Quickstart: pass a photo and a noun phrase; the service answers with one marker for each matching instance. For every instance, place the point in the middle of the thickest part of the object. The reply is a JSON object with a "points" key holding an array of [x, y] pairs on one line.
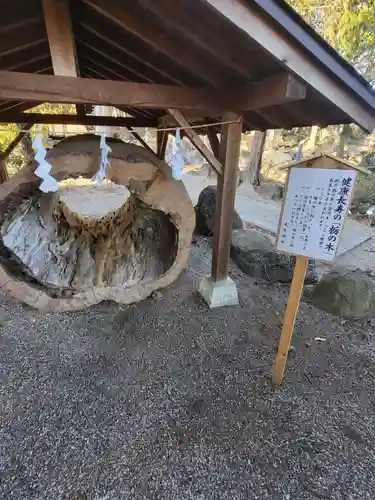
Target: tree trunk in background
{"points": [[275, 137], [255, 161], [3, 171], [341, 138], [313, 139], [27, 149]]}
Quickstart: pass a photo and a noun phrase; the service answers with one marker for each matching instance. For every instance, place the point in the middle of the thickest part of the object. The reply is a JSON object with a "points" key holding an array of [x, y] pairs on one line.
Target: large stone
{"points": [[253, 254], [205, 211], [250, 239], [348, 294]]}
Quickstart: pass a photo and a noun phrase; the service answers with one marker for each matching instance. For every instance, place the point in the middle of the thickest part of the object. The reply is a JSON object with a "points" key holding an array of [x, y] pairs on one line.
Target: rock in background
{"points": [[253, 253], [346, 293], [205, 211]]}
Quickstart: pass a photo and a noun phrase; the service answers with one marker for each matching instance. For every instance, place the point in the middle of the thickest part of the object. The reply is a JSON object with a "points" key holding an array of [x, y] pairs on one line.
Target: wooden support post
{"points": [[141, 141], [226, 192], [162, 141], [290, 317]]}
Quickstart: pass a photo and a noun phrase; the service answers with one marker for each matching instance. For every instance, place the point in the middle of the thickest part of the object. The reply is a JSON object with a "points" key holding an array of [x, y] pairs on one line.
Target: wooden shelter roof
{"points": [[207, 44]]}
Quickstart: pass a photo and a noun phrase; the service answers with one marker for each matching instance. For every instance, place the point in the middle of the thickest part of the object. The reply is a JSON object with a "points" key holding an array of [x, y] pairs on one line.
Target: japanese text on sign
{"points": [[315, 208]]}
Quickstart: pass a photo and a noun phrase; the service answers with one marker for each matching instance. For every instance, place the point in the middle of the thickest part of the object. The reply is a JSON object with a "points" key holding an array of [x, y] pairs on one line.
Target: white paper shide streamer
{"points": [[100, 176], [49, 183], [177, 157]]}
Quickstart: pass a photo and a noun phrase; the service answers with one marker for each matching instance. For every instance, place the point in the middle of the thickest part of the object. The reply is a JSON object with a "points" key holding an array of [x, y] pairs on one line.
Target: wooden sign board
{"points": [[314, 211], [316, 202]]}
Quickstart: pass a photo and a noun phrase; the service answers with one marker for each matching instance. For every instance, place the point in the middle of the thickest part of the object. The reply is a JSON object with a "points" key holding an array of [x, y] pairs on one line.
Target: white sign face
{"points": [[315, 207]]}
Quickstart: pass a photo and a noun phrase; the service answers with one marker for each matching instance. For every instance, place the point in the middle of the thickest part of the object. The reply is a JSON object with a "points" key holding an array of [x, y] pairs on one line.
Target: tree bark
{"points": [[27, 148], [255, 161], [313, 138], [60, 253], [3, 171]]}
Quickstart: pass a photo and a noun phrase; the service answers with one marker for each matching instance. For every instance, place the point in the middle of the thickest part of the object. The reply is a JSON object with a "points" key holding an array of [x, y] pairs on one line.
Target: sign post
{"points": [[315, 206]]}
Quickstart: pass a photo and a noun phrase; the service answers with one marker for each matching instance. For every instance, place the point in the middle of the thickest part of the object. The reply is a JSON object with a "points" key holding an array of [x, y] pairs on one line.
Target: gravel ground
{"points": [[168, 400]]}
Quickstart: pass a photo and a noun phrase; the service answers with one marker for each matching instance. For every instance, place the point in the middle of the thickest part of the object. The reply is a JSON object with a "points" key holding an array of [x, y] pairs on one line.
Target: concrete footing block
{"points": [[218, 293]]}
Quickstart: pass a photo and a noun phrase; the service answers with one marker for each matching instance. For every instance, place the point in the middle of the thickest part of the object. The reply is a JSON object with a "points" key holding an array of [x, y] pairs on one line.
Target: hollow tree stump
{"points": [[57, 255]]}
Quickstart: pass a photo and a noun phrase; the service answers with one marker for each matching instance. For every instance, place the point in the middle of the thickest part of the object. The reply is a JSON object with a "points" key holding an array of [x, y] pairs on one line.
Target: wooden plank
{"points": [[281, 47], [162, 142], [291, 311], [157, 38], [141, 141], [63, 89], [58, 119], [196, 140], [61, 40], [226, 192]]}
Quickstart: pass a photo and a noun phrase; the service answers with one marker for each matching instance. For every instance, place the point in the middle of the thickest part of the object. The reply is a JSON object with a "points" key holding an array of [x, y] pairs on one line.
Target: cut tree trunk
{"points": [[120, 241]]}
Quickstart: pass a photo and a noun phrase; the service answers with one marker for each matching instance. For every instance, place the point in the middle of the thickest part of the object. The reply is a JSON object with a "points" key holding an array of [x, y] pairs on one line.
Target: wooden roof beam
{"points": [[291, 56], [155, 37], [60, 119], [61, 40], [277, 90], [64, 89]]}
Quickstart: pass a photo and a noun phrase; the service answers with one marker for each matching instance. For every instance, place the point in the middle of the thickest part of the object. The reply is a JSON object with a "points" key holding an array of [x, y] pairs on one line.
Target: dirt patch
{"points": [[168, 400]]}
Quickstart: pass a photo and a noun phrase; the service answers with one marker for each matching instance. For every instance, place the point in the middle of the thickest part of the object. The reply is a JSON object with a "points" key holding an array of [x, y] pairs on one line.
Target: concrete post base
{"points": [[218, 293]]}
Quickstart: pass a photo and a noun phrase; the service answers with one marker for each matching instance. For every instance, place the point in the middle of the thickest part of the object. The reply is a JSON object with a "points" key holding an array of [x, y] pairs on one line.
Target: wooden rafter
{"points": [[92, 39], [25, 39], [155, 37], [59, 119], [212, 41], [283, 48], [61, 40], [196, 140]]}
